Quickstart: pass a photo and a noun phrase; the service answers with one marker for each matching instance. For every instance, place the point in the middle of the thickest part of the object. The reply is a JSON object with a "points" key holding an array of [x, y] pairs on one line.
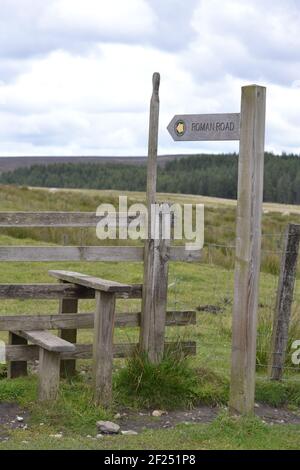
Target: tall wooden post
{"points": [[284, 300], [155, 252], [248, 248]]}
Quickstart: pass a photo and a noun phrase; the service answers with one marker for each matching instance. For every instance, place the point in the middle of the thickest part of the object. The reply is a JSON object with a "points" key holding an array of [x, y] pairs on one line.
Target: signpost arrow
{"points": [[194, 127]]}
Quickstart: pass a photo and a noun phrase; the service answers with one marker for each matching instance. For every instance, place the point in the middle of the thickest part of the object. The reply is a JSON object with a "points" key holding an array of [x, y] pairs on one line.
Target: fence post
{"points": [[103, 347], [68, 367], [248, 247], [284, 301], [16, 368], [155, 282]]}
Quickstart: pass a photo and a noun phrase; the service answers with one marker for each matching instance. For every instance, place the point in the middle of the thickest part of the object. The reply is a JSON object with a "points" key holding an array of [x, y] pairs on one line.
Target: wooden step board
{"points": [[50, 349], [47, 341], [93, 282]]}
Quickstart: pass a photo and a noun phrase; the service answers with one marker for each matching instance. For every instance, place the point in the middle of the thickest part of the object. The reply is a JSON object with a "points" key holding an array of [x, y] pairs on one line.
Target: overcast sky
{"points": [[75, 75]]}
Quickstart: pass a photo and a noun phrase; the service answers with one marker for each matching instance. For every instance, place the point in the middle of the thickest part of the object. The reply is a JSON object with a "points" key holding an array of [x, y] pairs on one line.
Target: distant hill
{"points": [[12, 163], [206, 175]]}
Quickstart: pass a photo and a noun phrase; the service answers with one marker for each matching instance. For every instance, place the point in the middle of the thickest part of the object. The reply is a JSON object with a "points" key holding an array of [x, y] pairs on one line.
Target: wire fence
{"points": [[213, 300]]}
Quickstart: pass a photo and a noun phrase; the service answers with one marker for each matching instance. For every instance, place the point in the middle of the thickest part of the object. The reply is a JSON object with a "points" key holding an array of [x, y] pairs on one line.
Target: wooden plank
{"points": [[90, 253], [56, 291], [68, 368], [92, 282], [85, 351], [46, 340], [71, 253], [16, 369], [248, 247], [285, 292], [45, 291], [70, 321], [103, 347], [57, 219], [49, 364]]}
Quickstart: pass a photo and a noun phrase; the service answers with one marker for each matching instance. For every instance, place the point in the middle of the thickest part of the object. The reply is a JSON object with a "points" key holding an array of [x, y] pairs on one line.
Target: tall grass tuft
{"points": [[170, 384]]}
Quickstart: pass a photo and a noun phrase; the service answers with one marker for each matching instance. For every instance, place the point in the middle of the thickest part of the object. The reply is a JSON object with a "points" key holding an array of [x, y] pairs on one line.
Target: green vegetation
{"points": [[224, 433], [171, 384], [176, 382], [209, 175]]}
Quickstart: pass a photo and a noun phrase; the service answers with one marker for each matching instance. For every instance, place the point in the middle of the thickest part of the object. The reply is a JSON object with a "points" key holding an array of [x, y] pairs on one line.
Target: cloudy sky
{"points": [[75, 75]]}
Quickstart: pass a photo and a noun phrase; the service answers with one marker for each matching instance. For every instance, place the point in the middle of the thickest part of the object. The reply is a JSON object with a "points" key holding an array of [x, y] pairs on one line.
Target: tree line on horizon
{"points": [[203, 174]]}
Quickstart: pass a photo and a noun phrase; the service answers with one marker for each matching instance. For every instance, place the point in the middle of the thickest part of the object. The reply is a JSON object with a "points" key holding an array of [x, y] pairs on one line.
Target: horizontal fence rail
{"points": [[56, 291], [59, 219], [86, 320], [89, 253], [85, 351]]}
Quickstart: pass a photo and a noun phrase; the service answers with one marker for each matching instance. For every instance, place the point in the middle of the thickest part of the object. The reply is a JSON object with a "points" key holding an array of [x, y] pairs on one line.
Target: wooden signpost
{"points": [[249, 128], [194, 127]]}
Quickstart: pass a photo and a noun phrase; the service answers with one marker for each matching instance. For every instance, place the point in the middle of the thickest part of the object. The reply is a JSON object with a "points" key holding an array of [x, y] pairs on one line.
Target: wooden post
{"points": [[49, 362], [156, 252], [16, 368], [68, 367], [103, 347], [248, 247], [284, 300]]}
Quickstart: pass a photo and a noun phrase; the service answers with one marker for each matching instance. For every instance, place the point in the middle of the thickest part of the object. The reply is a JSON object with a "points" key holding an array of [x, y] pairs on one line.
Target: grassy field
{"points": [[206, 287]]}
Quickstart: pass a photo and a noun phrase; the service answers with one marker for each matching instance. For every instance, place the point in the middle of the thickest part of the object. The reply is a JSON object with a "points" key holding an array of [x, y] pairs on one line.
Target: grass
{"points": [[177, 382], [224, 433], [171, 384]]}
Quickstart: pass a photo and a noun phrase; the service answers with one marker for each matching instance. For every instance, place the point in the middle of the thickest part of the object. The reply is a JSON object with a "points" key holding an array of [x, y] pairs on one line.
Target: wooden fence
{"points": [[57, 354], [60, 353]]}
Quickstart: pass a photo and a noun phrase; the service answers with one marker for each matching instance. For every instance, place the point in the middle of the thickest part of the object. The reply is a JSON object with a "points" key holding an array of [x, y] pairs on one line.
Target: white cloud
{"points": [[75, 75], [98, 18]]}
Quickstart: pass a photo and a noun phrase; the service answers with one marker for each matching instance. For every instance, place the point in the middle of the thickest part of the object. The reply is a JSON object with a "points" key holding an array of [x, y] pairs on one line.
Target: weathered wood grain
{"points": [[68, 368], [46, 340], [16, 369], [93, 282], [71, 253], [90, 253], [155, 290], [156, 252], [49, 363], [248, 247], [85, 351], [70, 321], [103, 347], [285, 292], [45, 291]]}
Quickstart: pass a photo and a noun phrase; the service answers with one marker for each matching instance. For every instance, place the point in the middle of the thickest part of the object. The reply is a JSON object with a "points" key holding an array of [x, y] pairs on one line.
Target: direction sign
{"points": [[205, 127]]}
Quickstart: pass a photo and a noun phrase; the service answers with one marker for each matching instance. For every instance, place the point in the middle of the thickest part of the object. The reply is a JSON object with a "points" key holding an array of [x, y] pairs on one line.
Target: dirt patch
{"points": [[141, 421], [276, 415], [11, 417]]}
